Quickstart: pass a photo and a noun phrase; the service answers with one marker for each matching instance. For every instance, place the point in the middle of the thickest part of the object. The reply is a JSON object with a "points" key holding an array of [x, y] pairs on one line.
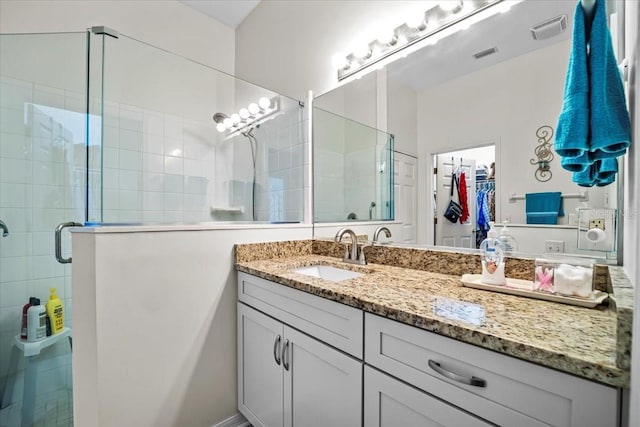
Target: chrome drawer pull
{"points": [[276, 349], [474, 381], [285, 355]]}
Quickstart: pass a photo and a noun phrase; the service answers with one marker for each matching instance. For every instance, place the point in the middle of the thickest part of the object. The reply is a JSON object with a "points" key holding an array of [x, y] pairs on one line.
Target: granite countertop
{"points": [[577, 340]]}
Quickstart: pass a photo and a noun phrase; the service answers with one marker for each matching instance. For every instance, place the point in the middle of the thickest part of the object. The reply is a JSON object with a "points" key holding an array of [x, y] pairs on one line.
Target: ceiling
{"points": [[453, 56], [230, 12]]}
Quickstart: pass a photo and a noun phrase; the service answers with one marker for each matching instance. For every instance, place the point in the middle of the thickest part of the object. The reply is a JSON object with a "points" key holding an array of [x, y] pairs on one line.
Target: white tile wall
{"points": [[39, 187]]}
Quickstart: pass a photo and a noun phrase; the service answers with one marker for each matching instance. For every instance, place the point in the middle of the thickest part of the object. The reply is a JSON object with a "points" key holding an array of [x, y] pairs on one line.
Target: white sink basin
{"points": [[327, 273]]}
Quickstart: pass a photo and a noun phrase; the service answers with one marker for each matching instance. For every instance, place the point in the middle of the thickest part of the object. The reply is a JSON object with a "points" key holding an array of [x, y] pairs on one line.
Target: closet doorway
{"points": [[474, 168]]}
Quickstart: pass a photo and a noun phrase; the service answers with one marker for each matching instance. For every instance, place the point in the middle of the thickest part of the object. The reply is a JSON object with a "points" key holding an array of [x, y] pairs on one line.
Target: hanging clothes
{"points": [[464, 199]]}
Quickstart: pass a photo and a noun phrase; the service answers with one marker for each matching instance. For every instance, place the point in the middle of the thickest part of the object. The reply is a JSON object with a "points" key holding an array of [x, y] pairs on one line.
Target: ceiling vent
{"points": [[485, 52], [550, 28]]}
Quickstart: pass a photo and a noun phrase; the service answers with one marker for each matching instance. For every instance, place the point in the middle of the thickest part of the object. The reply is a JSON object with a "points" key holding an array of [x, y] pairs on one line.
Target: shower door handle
{"points": [[4, 228], [58, 240]]}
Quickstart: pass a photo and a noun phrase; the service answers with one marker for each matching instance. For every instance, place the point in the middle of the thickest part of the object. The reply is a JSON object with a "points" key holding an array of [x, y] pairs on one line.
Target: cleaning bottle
{"points": [[55, 312], [36, 321], [506, 239], [23, 329], [492, 259]]}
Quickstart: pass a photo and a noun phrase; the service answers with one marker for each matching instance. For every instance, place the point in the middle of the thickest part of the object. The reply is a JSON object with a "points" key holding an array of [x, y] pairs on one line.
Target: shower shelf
{"points": [[238, 210]]}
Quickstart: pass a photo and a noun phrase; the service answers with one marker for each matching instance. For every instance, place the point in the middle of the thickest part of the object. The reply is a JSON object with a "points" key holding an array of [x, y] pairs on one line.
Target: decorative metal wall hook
{"points": [[543, 153]]}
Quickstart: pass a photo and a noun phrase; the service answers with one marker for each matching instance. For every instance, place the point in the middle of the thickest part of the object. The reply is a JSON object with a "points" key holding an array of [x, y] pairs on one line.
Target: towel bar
{"points": [[583, 196]]}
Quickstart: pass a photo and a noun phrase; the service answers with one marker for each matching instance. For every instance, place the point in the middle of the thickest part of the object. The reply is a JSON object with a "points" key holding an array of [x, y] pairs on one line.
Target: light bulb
{"points": [[264, 102], [450, 5], [416, 21], [235, 118], [254, 108], [387, 36], [227, 123], [244, 113], [339, 61], [362, 51], [220, 127]]}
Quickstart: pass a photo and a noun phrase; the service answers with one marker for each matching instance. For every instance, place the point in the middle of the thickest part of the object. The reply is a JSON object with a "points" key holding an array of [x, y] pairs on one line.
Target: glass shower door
{"points": [[43, 156]]}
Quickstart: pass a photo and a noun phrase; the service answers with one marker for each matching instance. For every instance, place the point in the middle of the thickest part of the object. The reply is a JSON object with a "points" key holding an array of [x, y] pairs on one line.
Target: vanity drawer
{"points": [[336, 324], [507, 391]]}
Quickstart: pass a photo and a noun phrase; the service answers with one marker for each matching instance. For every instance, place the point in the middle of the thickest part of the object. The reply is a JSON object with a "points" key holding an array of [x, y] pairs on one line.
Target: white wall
{"points": [[287, 45], [168, 24], [504, 104], [155, 324], [402, 116]]}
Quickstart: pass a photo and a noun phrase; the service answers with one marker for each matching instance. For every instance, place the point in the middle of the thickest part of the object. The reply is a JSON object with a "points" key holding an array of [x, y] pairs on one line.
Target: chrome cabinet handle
{"points": [[276, 350], [58, 240], [3, 227], [285, 355], [474, 381]]}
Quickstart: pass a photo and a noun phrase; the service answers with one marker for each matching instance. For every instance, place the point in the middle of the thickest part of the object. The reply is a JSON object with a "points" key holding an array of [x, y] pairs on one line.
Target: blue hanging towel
{"points": [[572, 131], [610, 125], [543, 208]]}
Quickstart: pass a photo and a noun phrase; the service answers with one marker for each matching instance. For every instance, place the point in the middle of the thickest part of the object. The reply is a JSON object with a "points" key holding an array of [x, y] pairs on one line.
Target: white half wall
{"points": [[167, 24], [155, 324]]}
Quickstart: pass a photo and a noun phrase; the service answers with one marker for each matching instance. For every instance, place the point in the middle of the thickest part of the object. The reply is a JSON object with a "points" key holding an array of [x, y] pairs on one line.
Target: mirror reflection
{"points": [[484, 102]]}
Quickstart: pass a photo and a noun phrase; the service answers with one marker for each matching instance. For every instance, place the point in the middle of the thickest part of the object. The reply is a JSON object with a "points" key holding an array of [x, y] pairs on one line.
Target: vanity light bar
{"points": [[434, 21], [254, 114]]}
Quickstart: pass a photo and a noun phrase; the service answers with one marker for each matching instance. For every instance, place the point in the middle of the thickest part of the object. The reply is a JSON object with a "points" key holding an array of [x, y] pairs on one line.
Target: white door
{"points": [[390, 403], [323, 385], [447, 233], [406, 195], [260, 379]]}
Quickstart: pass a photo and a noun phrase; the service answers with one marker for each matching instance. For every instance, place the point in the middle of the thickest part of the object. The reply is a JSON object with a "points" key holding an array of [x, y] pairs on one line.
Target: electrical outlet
{"points": [[597, 223], [554, 246]]}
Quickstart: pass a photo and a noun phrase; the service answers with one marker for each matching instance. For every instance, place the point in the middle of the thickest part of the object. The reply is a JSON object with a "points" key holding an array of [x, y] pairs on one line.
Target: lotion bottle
{"points": [[36, 322], [507, 240], [55, 312], [492, 259], [23, 329]]}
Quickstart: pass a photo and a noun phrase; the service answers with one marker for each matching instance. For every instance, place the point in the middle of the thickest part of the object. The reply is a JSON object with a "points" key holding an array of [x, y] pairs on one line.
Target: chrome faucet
{"points": [[5, 230], [376, 234], [352, 258]]}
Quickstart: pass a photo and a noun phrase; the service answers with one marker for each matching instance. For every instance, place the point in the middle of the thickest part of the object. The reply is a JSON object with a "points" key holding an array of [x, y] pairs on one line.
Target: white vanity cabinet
{"points": [[391, 403], [286, 377], [499, 389]]}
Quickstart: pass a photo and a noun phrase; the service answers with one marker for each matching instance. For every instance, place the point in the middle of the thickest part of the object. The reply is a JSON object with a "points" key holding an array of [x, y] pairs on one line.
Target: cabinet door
{"points": [[260, 381], [390, 403], [324, 384]]}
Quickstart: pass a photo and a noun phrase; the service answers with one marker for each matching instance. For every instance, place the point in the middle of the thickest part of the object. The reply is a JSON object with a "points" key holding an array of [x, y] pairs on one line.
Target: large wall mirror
{"points": [[490, 88]]}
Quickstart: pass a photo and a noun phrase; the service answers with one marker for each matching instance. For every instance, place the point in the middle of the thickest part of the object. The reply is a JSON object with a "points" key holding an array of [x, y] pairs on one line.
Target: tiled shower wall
{"points": [[162, 168], [41, 185]]}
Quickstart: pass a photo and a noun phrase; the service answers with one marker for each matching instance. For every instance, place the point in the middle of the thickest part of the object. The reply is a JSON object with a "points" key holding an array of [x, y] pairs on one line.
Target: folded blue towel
{"points": [[572, 132], [610, 126], [543, 208]]}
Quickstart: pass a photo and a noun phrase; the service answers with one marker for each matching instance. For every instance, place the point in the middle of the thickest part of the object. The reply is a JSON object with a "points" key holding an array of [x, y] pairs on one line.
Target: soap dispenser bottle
{"points": [[492, 259], [506, 239]]}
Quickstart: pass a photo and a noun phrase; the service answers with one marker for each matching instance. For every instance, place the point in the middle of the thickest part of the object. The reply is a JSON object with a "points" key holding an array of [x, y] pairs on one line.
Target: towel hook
{"points": [[543, 153]]}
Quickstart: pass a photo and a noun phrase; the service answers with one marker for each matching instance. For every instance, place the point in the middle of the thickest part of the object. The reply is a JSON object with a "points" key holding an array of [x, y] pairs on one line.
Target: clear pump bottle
{"points": [[508, 242], [492, 259]]}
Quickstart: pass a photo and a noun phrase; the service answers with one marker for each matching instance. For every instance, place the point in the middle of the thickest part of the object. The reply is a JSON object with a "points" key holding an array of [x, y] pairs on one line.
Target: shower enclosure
{"points": [[99, 128]]}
